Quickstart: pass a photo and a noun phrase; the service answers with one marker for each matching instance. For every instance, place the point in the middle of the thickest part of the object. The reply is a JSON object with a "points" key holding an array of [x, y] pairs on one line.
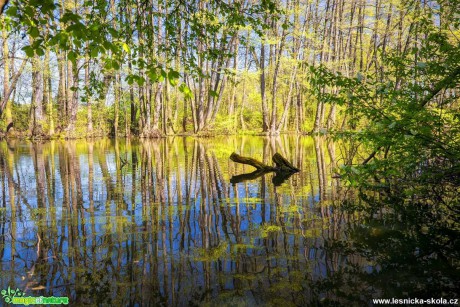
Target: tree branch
{"points": [[12, 86], [3, 3], [446, 82]]}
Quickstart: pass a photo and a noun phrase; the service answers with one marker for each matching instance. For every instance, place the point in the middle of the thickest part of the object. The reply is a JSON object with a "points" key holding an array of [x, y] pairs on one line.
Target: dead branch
{"points": [[282, 165]]}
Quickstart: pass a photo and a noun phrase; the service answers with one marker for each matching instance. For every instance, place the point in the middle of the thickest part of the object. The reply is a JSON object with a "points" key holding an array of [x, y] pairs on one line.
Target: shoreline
{"points": [[196, 135]]}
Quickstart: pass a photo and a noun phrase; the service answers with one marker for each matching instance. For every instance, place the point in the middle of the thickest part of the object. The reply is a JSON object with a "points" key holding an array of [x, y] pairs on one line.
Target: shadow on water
{"points": [[170, 222]]}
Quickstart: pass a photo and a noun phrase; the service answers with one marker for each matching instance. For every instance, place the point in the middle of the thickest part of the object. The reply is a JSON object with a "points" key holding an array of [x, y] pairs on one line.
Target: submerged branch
{"points": [[253, 162], [284, 165], [284, 169]]}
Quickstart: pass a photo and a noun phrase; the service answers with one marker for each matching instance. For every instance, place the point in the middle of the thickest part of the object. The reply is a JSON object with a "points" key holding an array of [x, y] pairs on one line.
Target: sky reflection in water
{"points": [[158, 222]]}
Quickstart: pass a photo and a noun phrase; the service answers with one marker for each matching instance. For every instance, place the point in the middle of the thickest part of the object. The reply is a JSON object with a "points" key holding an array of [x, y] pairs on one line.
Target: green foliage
{"points": [[404, 117], [20, 117], [187, 45], [71, 30]]}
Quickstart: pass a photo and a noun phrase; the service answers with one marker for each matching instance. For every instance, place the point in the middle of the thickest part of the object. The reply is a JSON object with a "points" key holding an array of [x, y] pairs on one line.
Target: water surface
{"points": [[171, 222]]}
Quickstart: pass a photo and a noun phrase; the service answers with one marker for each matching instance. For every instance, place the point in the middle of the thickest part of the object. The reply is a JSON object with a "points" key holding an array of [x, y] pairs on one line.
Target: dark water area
{"points": [[169, 222]]}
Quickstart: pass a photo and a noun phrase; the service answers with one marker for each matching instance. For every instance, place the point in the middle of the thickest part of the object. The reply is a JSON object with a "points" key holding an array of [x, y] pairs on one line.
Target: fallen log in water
{"points": [[253, 162], [282, 165]]}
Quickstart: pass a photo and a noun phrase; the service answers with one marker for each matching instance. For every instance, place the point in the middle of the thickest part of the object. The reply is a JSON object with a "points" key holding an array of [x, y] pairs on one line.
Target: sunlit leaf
{"points": [[126, 48]]}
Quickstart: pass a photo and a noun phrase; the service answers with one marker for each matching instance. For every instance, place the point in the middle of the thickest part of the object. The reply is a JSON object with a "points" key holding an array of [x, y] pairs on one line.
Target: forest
{"points": [[155, 68], [130, 130]]}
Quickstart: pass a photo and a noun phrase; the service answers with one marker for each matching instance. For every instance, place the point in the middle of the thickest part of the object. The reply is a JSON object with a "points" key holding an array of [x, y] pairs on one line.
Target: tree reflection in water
{"points": [[158, 222]]}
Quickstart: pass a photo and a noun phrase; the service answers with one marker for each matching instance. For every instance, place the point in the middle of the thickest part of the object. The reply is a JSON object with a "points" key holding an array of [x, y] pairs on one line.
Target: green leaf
{"points": [[34, 32], [130, 79], [115, 65], [12, 11], [185, 90], [152, 74], [94, 51], [163, 75], [72, 56], [40, 52], [29, 51], [108, 65], [213, 94], [113, 32], [140, 81], [173, 76], [107, 45]]}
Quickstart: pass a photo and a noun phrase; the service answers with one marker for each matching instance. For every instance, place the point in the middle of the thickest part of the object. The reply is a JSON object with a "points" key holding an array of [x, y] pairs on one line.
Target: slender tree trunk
{"points": [[88, 99], [12, 86], [36, 105], [231, 107], [274, 113], [116, 89], [300, 110], [72, 97], [47, 98], [6, 77], [133, 108], [62, 94], [262, 88], [320, 105], [243, 94]]}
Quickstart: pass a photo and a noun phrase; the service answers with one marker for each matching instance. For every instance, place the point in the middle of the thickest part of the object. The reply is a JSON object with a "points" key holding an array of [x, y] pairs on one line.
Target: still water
{"points": [[171, 222]]}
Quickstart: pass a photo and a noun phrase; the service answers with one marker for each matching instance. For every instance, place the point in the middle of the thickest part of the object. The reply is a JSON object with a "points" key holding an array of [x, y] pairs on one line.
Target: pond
{"points": [[171, 222]]}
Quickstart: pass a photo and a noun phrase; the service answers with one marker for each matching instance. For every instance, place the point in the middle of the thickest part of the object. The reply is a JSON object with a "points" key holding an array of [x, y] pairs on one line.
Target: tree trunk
{"points": [[72, 98], [36, 104], [47, 92], [12, 86], [6, 78], [89, 124], [62, 94], [262, 88]]}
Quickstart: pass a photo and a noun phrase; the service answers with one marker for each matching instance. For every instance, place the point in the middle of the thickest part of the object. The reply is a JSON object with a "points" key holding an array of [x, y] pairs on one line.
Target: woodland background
{"points": [[160, 67]]}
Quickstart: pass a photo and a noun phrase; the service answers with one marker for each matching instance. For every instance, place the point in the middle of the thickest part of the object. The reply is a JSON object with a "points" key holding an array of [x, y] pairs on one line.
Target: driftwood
{"points": [[283, 169], [282, 165], [253, 162]]}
